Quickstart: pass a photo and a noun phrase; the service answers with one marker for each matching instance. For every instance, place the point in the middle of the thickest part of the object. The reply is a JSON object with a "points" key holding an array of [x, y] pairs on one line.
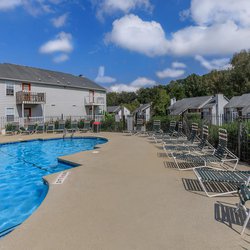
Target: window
{"points": [[9, 114], [10, 89]]}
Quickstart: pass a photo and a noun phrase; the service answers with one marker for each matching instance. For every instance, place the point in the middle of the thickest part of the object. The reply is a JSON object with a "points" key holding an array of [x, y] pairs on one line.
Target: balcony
{"points": [[94, 101], [26, 97]]}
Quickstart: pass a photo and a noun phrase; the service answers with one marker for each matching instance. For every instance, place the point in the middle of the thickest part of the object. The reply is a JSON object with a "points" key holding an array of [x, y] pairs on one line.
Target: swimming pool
{"points": [[22, 166]]}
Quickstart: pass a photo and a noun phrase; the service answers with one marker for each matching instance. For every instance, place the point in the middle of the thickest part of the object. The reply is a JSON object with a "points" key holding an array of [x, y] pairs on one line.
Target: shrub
{"points": [[56, 124], [9, 127], [68, 123], [81, 124]]}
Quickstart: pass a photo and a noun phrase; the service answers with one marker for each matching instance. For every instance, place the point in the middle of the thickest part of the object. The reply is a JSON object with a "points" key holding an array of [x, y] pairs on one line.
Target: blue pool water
{"points": [[22, 166]]}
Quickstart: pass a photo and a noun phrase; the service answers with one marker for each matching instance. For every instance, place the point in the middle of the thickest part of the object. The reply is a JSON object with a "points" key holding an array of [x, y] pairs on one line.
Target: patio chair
{"points": [[183, 143], [73, 127], [61, 127], [194, 144], [86, 127], [31, 128], [209, 175], [50, 128], [40, 128], [156, 128], [139, 127], [180, 133], [244, 195], [220, 155], [169, 134]]}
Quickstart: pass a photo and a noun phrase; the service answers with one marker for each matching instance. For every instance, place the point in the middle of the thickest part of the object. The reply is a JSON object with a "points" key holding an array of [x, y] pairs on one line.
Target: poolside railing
{"points": [[40, 119]]}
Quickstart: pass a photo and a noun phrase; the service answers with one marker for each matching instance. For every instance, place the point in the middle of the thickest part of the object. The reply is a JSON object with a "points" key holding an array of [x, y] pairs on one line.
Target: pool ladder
{"points": [[65, 134]]}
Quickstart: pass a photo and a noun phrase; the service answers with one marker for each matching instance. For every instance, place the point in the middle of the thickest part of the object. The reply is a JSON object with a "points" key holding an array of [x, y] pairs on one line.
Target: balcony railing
{"points": [[26, 97], [89, 100]]}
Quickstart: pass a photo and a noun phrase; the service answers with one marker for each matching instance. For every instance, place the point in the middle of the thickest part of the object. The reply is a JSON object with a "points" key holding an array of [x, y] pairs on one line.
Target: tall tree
{"points": [[160, 102]]}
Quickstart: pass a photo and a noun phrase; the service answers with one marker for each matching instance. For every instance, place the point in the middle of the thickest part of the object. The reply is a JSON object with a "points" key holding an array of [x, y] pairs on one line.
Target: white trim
{"points": [[9, 108], [10, 84]]}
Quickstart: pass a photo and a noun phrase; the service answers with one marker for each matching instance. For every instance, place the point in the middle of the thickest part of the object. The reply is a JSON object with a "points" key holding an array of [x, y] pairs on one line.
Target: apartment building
{"points": [[33, 93]]}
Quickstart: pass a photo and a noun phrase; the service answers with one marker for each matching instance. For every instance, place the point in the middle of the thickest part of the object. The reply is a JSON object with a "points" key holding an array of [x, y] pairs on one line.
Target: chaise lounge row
{"points": [[210, 165], [14, 128]]}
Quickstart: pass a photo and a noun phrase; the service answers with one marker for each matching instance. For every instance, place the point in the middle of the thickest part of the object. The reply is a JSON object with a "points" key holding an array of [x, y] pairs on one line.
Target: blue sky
{"points": [[124, 44]]}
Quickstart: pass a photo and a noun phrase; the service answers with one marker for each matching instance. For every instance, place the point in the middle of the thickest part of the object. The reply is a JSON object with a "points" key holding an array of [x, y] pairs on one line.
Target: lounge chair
{"points": [[193, 146], [29, 130], [220, 155], [73, 127], [169, 134], [208, 175], [50, 128], [182, 143], [244, 195], [139, 127], [86, 127], [156, 128], [61, 127], [40, 128]]}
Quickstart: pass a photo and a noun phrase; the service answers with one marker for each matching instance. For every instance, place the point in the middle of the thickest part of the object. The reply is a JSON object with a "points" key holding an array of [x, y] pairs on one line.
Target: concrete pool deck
{"points": [[123, 197]]}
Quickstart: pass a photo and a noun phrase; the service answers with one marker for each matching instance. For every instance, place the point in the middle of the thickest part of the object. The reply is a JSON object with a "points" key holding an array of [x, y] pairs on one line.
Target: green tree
{"points": [[176, 89], [160, 102], [112, 99], [193, 86], [133, 105], [240, 73]]}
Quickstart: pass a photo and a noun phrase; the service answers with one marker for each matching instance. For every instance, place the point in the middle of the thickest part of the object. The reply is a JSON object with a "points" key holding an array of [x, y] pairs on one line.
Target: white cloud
{"points": [[207, 12], [176, 71], [171, 73], [142, 82], [138, 83], [101, 78], [220, 28], [36, 8], [60, 21], [218, 39], [179, 65], [132, 33], [61, 58], [9, 4], [109, 7], [218, 64], [33, 7], [62, 43]]}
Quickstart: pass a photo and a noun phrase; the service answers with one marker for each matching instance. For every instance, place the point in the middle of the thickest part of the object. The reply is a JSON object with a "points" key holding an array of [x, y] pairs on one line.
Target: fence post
{"points": [[239, 137]]}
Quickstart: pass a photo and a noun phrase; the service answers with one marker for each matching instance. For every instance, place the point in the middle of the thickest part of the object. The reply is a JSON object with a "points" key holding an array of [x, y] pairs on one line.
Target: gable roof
{"points": [[239, 101], [113, 109], [246, 110], [142, 107], [210, 104], [42, 76], [189, 103]]}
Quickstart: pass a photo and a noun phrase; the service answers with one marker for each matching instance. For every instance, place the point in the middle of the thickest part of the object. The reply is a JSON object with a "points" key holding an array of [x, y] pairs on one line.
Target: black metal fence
{"points": [[238, 133]]}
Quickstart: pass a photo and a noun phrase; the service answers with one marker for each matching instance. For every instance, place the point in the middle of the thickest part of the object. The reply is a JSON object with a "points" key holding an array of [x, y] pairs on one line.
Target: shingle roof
{"points": [[36, 75], [113, 109], [246, 110], [142, 107], [239, 101], [210, 104], [189, 103]]}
